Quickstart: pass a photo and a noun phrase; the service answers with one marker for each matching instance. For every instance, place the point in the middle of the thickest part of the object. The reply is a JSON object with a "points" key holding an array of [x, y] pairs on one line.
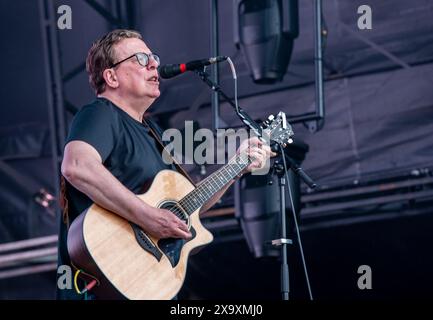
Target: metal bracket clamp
{"points": [[279, 242]]}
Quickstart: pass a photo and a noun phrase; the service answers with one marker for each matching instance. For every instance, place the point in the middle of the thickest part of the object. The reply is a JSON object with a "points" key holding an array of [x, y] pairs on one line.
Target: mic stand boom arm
{"points": [[299, 171], [255, 127], [241, 113]]}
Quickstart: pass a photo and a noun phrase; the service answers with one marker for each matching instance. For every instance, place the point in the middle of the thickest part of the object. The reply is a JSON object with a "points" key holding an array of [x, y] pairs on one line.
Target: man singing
{"points": [[109, 153]]}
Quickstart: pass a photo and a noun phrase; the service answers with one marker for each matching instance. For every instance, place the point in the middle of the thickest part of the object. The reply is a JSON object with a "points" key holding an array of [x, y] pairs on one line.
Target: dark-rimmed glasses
{"points": [[142, 58]]}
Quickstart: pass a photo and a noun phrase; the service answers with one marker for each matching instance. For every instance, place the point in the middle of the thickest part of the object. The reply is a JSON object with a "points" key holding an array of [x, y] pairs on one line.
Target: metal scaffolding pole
{"points": [[215, 68], [319, 32], [54, 86]]}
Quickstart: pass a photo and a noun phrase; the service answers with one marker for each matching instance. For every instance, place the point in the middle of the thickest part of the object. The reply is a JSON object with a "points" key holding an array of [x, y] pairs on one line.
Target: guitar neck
{"points": [[214, 183]]}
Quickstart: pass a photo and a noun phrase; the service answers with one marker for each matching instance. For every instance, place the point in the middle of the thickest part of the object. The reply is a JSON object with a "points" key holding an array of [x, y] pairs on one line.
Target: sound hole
{"points": [[176, 209]]}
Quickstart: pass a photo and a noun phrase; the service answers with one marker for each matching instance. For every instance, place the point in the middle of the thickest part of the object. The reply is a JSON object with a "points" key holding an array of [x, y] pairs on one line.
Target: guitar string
{"points": [[185, 205], [214, 179], [238, 161]]}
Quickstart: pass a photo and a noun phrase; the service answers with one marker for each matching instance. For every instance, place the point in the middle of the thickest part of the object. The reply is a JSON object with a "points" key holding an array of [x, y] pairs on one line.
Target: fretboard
{"points": [[212, 184]]}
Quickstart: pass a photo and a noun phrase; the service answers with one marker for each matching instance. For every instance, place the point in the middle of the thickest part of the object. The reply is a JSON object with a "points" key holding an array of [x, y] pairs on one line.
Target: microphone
{"points": [[168, 71]]}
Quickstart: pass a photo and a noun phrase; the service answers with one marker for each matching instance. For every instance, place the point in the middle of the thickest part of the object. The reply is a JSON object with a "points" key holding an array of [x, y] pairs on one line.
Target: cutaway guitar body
{"points": [[129, 263]]}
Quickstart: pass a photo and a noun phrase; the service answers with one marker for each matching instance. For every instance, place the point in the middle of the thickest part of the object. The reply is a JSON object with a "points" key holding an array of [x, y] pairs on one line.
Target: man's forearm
{"points": [[94, 180]]}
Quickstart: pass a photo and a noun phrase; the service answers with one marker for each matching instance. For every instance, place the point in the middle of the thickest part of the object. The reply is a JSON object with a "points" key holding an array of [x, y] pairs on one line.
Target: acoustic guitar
{"points": [[129, 263]]}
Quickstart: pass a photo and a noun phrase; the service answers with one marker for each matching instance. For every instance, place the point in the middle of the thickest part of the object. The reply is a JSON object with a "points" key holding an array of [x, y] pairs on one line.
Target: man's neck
{"points": [[135, 109]]}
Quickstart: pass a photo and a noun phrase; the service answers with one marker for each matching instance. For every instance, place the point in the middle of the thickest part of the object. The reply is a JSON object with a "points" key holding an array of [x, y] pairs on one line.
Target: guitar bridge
{"points": [[145, 242]]}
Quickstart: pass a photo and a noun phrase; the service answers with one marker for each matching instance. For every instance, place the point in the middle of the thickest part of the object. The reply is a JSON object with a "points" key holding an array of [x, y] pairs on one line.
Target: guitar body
{"points": [[129, 263]]}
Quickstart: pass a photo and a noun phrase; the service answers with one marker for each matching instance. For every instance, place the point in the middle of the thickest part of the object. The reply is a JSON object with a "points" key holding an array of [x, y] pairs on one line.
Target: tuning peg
{"points": [[269, 120], [290, 140]]}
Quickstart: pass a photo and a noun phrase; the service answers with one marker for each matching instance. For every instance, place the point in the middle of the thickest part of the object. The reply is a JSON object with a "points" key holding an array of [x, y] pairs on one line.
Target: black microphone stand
{"points": [[241, 113], [279, 168]]}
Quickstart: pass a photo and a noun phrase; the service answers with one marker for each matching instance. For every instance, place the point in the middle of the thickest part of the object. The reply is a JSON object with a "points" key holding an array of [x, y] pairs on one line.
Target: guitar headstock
{"points": [[277, 129]]}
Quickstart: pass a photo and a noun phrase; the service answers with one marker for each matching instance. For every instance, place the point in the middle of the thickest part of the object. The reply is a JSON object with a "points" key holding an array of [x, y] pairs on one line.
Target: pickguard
{"points": [[172, 247]]}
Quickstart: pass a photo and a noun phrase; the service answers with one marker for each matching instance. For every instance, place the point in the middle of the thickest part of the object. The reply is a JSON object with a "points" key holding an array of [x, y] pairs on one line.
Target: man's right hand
{"points": [[165, 224]]}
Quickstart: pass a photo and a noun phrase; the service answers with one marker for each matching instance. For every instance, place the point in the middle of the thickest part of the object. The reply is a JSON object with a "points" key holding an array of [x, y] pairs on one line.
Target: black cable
{"points": [[296, 223]]}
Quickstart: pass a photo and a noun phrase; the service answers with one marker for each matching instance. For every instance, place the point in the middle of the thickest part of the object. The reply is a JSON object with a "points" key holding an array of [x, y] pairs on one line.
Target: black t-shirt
{"points": [[127, 149]]}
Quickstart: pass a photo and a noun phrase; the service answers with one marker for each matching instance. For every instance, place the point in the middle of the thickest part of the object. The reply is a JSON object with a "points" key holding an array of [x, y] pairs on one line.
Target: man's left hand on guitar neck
{"points": [[258, 151]]}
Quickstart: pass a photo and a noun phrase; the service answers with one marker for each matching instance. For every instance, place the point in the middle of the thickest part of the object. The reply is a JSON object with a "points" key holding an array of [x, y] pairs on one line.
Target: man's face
{"points": [[135, 80]]}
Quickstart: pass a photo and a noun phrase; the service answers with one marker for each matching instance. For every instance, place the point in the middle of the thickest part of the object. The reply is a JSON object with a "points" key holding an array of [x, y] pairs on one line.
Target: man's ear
{"points": [[110, 78]]}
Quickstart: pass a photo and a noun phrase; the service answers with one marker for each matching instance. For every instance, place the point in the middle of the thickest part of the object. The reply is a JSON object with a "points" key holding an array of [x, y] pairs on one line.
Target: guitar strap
{"points": [[153, 130]]}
